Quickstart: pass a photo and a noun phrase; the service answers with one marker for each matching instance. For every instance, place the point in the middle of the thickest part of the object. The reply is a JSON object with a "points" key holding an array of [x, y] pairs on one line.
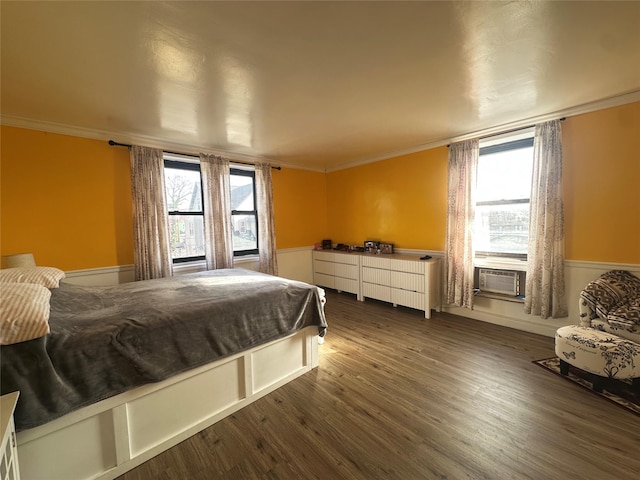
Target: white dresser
{"points": [[402, 280], [338, 270], [396, 278], [9, 463]]}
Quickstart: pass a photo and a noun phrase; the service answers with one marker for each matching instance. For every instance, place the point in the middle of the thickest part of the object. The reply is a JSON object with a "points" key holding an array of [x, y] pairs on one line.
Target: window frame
{"points": [[247, 172], [498, 146], [193, 167], [179, 164]]}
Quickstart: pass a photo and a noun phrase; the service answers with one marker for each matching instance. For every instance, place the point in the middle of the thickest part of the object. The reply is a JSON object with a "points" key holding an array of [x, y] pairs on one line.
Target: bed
{"points": [[130, 370]]}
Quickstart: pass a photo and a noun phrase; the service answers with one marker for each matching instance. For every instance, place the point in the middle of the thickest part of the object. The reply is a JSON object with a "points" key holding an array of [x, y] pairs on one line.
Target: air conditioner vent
{"points": [[506, 282]]}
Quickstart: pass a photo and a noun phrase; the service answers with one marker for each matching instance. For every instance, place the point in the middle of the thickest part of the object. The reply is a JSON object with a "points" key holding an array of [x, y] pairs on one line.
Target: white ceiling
{"points": [[320, 85]]}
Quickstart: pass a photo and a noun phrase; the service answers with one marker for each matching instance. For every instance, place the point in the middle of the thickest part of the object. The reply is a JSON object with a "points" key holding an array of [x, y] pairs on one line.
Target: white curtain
{"points": [[545, 286], [152, 255], [266, 223], [216, 196], [458, 265]]}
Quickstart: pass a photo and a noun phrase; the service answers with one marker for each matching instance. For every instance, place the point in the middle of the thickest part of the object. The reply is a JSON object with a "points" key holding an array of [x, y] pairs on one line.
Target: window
{"points": [[186, 216], [244, 215], [183, 187], [502, 192]]}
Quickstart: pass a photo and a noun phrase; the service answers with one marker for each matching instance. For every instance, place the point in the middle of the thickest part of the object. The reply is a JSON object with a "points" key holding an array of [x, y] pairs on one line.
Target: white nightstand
{"points": [[9, 468]]}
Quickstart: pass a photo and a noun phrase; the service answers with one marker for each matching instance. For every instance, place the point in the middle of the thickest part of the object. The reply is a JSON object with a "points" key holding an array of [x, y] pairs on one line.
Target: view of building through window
{"points": [[243, 206], [183, 188], [502, 199]]}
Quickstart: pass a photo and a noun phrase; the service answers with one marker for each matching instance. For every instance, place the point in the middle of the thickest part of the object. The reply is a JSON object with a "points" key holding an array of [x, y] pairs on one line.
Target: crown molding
{"points": [[51, 127], [149, 141], [11, 121], [610, 102]]}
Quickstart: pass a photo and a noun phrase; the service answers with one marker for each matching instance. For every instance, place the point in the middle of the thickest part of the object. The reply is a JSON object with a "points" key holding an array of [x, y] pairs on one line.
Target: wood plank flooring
{"points": [[397, 396]]}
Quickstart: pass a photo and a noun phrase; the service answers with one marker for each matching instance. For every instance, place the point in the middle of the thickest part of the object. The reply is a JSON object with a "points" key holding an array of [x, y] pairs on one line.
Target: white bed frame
{"points": [[109, 438]]}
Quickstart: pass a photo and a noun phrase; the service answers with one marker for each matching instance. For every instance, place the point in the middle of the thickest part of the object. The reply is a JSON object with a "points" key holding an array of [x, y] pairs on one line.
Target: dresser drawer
{"points": [[407, 298], [346, 271], [346, 258], [376, 275], [408, 281], [346, 285], [325, 256], [376, 262], [409, 266], [323, 280], [320, 266], [378, 292]]}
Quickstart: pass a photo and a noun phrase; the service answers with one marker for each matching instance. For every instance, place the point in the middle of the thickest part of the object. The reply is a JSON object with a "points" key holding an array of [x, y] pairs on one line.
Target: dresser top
{"points": [[391, 256]]}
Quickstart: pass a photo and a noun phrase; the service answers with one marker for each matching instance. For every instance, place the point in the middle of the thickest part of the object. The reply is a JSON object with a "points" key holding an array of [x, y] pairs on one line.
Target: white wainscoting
{"points": [[510, 314], [296, 264], [101, 276], [293, 263]]}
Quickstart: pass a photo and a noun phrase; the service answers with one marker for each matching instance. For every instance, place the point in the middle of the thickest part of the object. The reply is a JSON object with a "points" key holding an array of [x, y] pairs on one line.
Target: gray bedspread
{"points": [[106, 340]]}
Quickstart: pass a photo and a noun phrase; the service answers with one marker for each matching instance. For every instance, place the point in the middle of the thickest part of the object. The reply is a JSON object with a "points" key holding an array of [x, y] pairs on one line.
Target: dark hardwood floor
{"points": [[397, 396]]}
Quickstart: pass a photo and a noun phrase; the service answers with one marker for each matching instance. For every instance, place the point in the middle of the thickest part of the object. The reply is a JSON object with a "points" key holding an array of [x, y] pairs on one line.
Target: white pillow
{"points": [[24, 312], [46, 276]]}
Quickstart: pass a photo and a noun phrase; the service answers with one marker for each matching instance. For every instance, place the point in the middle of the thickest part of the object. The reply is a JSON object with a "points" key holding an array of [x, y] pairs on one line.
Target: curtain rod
{"points": [[562, 119], [116, 144]]}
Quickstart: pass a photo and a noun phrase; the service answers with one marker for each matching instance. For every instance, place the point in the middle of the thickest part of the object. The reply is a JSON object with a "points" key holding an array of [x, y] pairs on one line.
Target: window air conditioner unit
{"points": [[506, 282]]}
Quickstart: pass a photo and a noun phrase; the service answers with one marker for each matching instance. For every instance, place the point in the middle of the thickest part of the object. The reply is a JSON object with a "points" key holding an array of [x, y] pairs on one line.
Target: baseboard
{"points": [[533, 324]]}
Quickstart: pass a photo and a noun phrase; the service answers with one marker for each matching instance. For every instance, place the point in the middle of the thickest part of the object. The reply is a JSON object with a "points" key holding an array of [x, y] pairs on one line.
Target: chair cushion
{"points": [[598, 352]]}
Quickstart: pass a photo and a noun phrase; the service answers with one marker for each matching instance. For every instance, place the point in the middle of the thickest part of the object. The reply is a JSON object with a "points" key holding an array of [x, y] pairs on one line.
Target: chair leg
{"points": [[596, 382], [564, 367]]}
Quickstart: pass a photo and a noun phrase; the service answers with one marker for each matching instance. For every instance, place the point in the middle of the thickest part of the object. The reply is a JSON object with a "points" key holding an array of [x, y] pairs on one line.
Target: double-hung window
{"points": [[502, 196], [244, 214], [183, 185]]}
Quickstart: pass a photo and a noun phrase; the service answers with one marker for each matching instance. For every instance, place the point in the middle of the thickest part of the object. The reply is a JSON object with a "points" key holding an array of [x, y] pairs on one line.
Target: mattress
{"points": [[106, 340]]}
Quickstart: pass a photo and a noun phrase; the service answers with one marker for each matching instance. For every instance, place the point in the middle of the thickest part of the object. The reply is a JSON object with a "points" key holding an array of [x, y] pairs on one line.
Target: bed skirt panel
{"points": [[106, 439]]}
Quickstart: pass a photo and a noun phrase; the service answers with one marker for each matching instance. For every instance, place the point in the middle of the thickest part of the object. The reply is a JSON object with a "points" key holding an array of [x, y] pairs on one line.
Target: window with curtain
{"points": [[502, 198], [244, 214], [499, 187], [185, 210]]}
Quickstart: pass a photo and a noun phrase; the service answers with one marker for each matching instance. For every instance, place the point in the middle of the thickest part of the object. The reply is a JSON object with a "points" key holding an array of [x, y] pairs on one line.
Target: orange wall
{"points": [[402, 200], [601, 153], [299, 198], [66, 199]]}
